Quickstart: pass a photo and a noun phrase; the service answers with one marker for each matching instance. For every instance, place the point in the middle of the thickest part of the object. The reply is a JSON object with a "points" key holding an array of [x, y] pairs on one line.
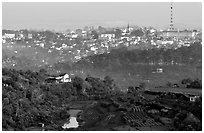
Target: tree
{"points": [[94, 34], [137, 33], [101, 29], [186, 82], [78, 83], [130, 89], [69, 89], [108, 81], [42, 71], [142, 85], [169, 84], [196, 84], [118, 33]]}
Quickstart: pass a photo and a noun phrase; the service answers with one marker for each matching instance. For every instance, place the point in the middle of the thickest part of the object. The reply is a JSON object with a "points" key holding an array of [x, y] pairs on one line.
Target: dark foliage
{"points": [[78, 83], [28, 100], [122, 57], [196, 84]]}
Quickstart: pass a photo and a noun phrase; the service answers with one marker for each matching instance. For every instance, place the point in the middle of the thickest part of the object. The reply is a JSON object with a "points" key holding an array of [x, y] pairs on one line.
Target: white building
{"points": [[64, 45], [30, 36], [108, 36], [93, 48], [42, 45], [84, 33], [193, 99], [74, 36], [64, 78], [9, 35], [77, 57], [3, 40], [159, 70]]}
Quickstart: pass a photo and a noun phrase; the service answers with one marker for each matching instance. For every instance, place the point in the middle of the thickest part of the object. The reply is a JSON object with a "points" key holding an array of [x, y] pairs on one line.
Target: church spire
{"points": [[128, 28]]}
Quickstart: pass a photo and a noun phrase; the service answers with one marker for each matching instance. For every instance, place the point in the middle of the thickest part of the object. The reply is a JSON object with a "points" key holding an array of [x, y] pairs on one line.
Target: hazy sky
{"points": [[62, 16]]}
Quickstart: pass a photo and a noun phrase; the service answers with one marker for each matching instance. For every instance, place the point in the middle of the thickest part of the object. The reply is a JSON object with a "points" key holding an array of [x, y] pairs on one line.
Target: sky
{"points": [[61, 16]]}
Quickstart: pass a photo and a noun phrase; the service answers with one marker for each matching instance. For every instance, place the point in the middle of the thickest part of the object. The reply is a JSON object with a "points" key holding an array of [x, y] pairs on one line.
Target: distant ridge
{"points": [[180, 26]]}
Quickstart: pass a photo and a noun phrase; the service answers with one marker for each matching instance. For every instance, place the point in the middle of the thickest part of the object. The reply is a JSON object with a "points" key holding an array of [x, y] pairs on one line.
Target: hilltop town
{"points": [[47, 47]]}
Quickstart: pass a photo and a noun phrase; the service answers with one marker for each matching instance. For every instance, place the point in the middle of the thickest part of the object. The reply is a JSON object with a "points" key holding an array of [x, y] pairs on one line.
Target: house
{"points": [[74, 36], [42, 45], [159, 70], [64, 45], [30, 36], [11, 35], [193, 98], [3, 40], [177, 34], [107, 35], [64, 78], [83, 33], [60, 78]]}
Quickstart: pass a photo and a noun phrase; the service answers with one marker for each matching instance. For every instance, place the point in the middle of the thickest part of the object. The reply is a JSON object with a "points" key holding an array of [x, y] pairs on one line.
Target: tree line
{"points": [[191, 55]]}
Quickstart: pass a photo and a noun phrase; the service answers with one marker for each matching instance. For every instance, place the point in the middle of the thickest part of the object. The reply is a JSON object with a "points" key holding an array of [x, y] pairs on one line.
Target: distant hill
{"points": [[122, 57]]}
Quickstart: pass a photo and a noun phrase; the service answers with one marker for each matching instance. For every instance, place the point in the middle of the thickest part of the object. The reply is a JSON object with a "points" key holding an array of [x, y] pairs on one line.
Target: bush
{"points": [[186, 81], [108, 80], [196, 84], [142, 85], [169, 84]]}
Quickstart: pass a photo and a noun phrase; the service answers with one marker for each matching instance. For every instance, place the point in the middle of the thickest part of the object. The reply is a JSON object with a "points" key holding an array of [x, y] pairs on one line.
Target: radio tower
{"points": [[171, 19]]}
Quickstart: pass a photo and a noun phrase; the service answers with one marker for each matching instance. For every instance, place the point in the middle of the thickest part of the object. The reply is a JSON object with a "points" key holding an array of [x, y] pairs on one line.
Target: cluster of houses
{"points": [[81, 42]]}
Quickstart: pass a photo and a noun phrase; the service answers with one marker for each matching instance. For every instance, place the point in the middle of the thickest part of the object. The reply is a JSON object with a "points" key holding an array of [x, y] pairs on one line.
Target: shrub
{"points": [[142, 85], [169, 84], [186, 81]]}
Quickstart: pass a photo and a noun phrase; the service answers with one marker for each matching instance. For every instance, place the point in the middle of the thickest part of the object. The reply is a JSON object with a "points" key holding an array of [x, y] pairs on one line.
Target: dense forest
{"points": [[28, 100]]}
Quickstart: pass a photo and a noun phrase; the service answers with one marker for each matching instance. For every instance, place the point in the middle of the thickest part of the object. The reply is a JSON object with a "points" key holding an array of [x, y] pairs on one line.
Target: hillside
{"points": [[132, 67], [122, 57], [31, 103], [28, 100], [126, 66]]}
